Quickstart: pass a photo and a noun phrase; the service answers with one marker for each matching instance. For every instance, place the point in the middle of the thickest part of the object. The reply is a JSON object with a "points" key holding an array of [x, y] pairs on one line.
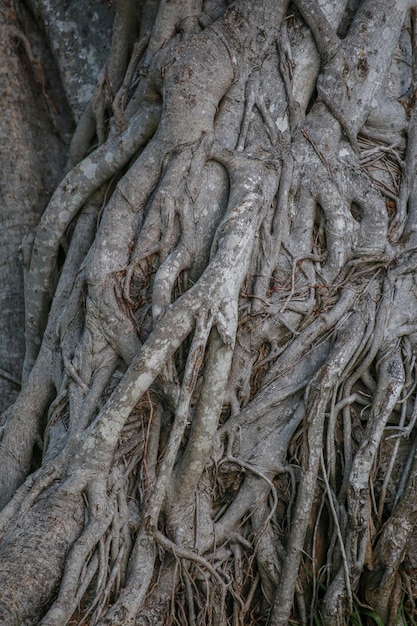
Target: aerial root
{"points": [[334, 341], [390, 549], [110, 93], [109, 557], [27, 493], [115, 70], [143, 554], [407, 189], [65, 604], [347, 341], [390, 384], [123, 612], [189, 555], [72, 193], [169, 227], [333, 503], [268, 556], [119, 104], [166, 276]]}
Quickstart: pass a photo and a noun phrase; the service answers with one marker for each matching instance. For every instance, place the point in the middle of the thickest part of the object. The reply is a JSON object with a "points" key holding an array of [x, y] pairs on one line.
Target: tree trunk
{"points": [[216, 419], [31, 163]]}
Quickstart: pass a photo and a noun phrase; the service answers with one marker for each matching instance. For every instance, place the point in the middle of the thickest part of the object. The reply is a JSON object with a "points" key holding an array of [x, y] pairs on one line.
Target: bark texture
{"points": [[32, 159], [216, 423]]}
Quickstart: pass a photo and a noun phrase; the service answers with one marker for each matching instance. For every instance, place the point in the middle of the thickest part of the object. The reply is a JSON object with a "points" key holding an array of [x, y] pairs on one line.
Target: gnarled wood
{"points": [[220, 328]]}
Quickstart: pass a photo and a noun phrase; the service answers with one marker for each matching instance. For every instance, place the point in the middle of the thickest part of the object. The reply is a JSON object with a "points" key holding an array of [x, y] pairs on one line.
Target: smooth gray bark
{"points": [[32, 158]]}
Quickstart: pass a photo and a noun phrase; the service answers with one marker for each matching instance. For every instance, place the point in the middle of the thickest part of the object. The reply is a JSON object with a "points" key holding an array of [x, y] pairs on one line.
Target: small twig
{"points": [[251, 593], [260, 474], [183, 553], [376, 150], [316, 149], [296, 264]]}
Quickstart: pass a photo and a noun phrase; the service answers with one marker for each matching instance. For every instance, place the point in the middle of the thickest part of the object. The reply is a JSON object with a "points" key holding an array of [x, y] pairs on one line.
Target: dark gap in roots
{"points": [[347, 19], [167, 419], [356, 212], [284, 488], [319, 231], [62, 253], [411, 209], [318, 539], [228, 480], [180, 357], [36, 460], [312, 101], [259, 369], [225, 414], [281, 278], [182, 284], [141, 288], [338, 446]]}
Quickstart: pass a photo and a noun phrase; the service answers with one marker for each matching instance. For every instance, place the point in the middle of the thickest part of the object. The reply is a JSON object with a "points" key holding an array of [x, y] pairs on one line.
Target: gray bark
{"points": [[32, 159], [217, 415]]}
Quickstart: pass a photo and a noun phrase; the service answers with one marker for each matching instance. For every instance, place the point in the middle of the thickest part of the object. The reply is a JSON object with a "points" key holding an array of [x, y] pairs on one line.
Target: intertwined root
{"points": [[227, 346]]}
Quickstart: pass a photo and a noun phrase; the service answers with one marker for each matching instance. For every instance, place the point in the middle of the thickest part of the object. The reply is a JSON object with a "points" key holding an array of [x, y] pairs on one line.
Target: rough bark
{"points": [[216, 420]]}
